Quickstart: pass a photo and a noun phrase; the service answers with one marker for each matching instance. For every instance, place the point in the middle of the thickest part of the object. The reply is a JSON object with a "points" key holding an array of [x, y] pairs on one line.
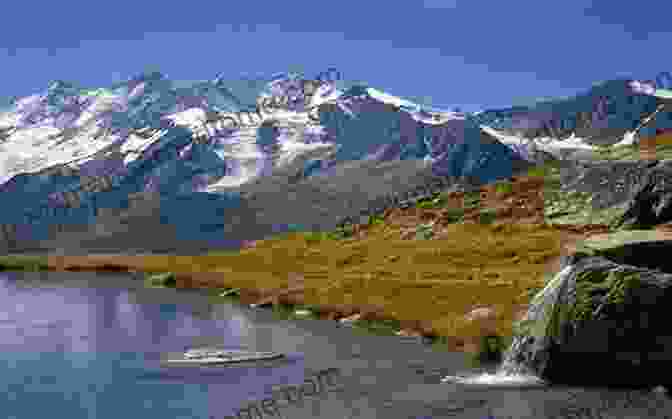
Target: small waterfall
{"points": [[537, 318], [516, 369]]}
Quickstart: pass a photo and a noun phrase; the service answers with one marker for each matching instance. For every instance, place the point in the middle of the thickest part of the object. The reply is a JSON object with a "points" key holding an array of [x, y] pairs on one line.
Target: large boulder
{"points": [[604, 318], [651, 203]]}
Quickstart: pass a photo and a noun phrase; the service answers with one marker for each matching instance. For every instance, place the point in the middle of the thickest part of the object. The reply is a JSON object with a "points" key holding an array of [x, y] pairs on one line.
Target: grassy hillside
{"points": [[421, 268]]}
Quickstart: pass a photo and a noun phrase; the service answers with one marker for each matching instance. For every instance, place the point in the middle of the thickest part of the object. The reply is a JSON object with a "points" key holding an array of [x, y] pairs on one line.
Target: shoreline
{"points": [[285, 304], [287, 291], [457, 267]]}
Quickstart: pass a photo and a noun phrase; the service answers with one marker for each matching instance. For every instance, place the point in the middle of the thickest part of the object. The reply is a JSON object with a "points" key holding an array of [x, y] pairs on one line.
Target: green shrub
{"points": [[377, 327], [314, 236], [455, 215], [23, 263], [472, 199], [532, 291], [165, 279], [538, 171], [341, 233], [436, 201], [375, 220], [490, 350], [283, 311], [424, 232], [425, 204], [234, 292], [504, 187], [289, 311], [440, 343], [487, 216]]}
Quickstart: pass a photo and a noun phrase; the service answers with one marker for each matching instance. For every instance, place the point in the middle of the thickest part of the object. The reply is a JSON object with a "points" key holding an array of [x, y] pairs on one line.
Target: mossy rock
{"points": [[597, 291], [164, 279], [491, 349], [294, 311], [636, 248], [23, 263], [612, 243], [386, 327]]}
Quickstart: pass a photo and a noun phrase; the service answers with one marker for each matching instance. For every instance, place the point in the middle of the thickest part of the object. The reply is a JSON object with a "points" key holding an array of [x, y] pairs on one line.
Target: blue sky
{"points": [[472, 54]]}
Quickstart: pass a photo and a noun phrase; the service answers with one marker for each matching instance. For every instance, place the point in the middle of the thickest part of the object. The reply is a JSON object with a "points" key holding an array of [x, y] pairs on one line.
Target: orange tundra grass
{"points": [[428, 285]]}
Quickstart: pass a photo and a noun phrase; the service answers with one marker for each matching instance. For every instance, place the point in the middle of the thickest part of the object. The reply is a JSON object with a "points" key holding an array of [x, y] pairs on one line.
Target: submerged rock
{"points": [[604, 318], [483, 319]]}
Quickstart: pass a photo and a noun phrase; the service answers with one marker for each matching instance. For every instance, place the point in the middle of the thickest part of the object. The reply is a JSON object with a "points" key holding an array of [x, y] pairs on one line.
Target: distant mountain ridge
{"points": [[602, 114], [70, 153]]}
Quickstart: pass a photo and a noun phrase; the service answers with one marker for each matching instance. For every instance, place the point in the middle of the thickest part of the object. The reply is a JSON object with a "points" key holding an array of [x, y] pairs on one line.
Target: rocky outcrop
{"points": [[604, 318], [651, 203], [610, 182]]}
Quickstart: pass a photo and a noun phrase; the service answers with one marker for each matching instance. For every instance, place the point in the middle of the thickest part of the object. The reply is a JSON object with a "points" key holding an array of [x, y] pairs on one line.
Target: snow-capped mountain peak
{"points": [[70, 146]]}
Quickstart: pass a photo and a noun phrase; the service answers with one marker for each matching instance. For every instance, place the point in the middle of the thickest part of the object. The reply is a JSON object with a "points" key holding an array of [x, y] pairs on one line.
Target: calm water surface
{"points": [[81, 345], [87, 345]]}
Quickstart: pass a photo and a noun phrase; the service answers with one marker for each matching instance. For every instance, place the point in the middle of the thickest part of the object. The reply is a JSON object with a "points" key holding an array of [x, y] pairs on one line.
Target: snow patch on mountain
{"points": [[605, 114], [529, 148], [393, 100], [629, 138], [68, 152]]}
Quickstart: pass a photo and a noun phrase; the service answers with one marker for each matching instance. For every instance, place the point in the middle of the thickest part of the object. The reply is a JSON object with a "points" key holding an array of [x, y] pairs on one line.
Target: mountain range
{"points": [[210, 163]]}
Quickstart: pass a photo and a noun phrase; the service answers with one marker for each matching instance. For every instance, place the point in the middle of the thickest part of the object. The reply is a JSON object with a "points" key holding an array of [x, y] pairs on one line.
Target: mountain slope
{"points": [[87, 160], [601, 115], [71, 155]]}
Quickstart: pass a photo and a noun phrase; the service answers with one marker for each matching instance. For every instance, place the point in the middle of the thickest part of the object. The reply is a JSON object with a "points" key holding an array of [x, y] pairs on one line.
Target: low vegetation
{"points": [[611, 286], [428, 281], [23, 263], [632, 152]]}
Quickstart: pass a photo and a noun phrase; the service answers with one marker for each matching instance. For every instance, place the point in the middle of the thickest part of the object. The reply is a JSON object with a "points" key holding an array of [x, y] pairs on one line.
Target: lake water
{"points": [[85, 345], [73, 350]]}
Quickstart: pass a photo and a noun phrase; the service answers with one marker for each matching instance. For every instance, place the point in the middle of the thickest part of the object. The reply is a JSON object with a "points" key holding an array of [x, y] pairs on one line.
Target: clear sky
{"points": [[468, 53]]}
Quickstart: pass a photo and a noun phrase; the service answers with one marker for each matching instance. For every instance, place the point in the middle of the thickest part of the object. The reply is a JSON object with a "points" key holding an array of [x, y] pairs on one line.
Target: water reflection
{"points": [[84, 352]]}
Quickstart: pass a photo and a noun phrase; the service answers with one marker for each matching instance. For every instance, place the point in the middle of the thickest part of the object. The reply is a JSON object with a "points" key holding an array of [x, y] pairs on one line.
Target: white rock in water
{"points": [[659, 389], [351, 319], [496, 380], [218, 356]]}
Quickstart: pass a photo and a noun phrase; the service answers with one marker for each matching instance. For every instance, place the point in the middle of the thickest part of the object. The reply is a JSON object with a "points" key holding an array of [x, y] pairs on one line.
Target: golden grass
{"points": [[424, 284], [434, 281]]}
